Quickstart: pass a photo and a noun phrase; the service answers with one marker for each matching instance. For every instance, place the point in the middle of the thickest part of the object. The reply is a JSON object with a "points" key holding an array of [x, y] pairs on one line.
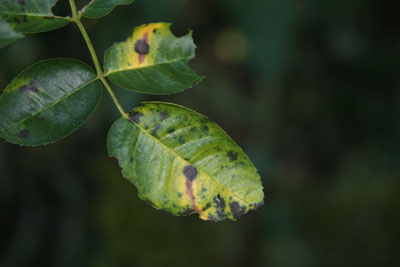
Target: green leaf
{"points": [[183, 163], [152, 61], [100, 8], [7, 34], [31, 16], [48, 101]]}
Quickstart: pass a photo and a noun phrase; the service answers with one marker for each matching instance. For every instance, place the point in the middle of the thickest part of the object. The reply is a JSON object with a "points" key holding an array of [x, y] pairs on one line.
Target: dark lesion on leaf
{"points": [[163, 115], [31, 87], [190, 172], [212, 218], [207, 206], [220, 205], [232, 155], [181, 140], [131, 159], [24, 134], [142, 47], [237, 210], [257, 205], [155, 130], [204, 128], [135, 116]]}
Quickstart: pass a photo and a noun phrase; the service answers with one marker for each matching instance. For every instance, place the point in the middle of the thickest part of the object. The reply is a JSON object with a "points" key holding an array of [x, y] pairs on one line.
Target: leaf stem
{"points": [[116, 102], [76, 17]]}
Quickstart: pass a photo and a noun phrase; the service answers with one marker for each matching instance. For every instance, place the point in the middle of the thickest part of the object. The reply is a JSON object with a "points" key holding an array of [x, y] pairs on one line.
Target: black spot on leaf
{"points": [[190, 172], [24, 134], [155, 30], [31, 87], [232, 155], [212, 218], [221, 205], [142, 47], [237, 211], [171, 130], [179, 195], [163, 115], [207, 206], [181, 141], [220, 202], [131, 159], [205, 128], [135, 116], [155, 129]]}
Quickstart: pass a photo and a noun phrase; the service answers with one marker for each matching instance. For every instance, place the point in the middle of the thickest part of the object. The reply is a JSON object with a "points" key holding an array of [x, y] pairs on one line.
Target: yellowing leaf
{"points": [[152, 61], [183, 163]]}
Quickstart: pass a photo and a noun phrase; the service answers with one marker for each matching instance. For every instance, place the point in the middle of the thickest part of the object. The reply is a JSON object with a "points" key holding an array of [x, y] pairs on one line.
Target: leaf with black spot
{"points": [[31, 16], [101, 8], [152, 61], [48, 101], [201, 171]]}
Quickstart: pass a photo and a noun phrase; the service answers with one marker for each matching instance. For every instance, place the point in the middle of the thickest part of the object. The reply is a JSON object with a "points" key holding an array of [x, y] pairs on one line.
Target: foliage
{"points": [[199, 168]]}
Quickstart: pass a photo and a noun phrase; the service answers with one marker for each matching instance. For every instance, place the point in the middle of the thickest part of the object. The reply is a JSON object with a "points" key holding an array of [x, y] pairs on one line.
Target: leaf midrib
{"points": [[149, 66], [56, 102], [35, 15]]}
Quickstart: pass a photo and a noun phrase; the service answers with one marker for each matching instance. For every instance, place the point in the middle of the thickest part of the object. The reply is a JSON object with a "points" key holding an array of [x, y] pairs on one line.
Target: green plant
{"points": [[180, 161]]}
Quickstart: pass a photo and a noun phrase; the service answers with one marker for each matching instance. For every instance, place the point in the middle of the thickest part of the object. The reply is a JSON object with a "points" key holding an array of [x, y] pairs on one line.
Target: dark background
{"points": [[309, 89]]}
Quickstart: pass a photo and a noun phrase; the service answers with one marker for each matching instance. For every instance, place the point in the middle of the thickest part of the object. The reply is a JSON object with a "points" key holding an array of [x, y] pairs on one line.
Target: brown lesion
{"points": [[190, 173], [142, 47], [29, 88], [24, 134]]}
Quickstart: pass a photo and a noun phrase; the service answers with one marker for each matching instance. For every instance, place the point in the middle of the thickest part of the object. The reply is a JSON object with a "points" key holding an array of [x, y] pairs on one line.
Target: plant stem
{"points": [[116, 102], [77, 19], [90, 46]]}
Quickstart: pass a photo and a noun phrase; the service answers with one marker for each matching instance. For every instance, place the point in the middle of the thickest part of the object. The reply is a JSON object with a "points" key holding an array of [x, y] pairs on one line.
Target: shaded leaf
{"points": [[183, 163], [100, 8], [48, 101], [152, 61], [7, 34], [31, 16]]}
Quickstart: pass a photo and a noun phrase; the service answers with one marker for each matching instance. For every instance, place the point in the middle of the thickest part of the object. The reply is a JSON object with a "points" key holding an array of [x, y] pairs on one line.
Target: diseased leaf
{"points": [[183, 163], [31, 16], [152, 61], [48, 101], [100, 8], [7, 34]]}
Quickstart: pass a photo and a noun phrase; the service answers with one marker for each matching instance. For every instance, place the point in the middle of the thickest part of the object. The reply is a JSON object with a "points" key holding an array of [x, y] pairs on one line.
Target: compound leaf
{"points": [[183, 163], [7, 34], [152, 61], [48, 101], [100, 8], [31, 16]]}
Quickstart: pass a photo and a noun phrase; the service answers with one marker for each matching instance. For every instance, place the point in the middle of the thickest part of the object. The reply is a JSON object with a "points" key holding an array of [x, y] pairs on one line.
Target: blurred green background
{"points": [[309, 89]]}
